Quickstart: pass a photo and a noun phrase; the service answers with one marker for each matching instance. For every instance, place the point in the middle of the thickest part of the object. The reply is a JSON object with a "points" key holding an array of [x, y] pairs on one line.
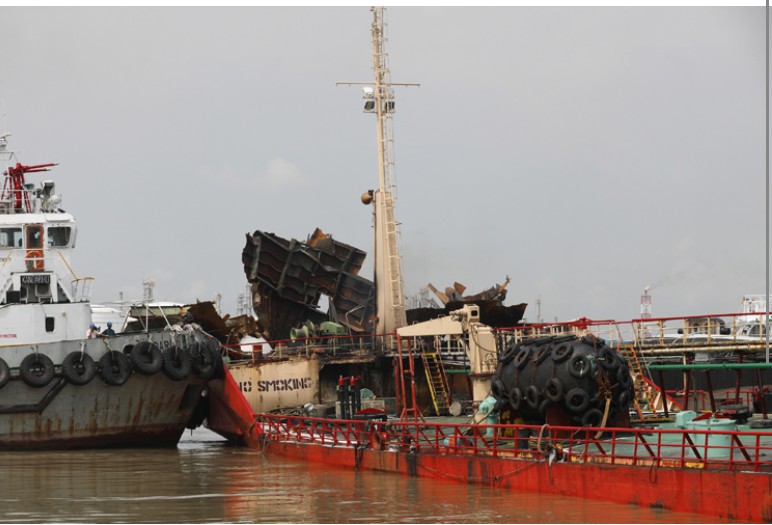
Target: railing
{"points": [[329, 346], [747, 451], [660, 336]]}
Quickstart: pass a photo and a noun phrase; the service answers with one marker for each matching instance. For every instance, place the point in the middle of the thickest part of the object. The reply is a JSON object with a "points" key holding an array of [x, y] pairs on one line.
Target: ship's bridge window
{"points": [[34, 236], [59, 236], [10, 237]]}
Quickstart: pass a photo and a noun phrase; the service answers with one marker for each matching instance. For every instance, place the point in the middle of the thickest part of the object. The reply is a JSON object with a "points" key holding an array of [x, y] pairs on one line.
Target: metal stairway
{"points": [[438, 382]]}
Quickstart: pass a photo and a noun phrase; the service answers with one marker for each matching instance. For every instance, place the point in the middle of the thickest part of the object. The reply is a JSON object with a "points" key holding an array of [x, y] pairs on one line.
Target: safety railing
{"points": [[665, 335], [674, 448], [321, 346]]}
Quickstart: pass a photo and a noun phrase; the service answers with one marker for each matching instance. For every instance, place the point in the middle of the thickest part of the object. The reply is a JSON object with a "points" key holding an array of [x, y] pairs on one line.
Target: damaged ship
{"points": [[310, 351]]}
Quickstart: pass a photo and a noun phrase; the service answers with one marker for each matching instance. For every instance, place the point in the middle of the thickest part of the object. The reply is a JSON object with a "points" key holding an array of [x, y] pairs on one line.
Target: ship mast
{"points": [[379, 99], [390, 294]]}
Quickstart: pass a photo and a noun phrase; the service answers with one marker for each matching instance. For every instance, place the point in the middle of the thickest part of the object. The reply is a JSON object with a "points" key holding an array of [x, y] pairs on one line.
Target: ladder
{"points": [[437, 381], [642, 391]]}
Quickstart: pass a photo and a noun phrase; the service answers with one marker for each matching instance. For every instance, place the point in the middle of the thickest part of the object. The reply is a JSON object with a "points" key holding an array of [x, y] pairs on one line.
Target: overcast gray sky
{"points": [[584, 152]]}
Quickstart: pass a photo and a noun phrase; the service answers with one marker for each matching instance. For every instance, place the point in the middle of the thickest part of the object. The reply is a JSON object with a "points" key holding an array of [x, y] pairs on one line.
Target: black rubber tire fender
{"points": [[522, 357], [592, 418], [509, 354], [203, 360], [623, 377], [498, 389], [578, 366], [543, 406], [146, 358], [219, 366], [624, 398], [177, 363], [115, 368], [37, 370], [577, 400], [515, 398], [5, 373], [554, 390], [608, 358], [532, 396], [542, 354], [562, 352], [79, 368]]}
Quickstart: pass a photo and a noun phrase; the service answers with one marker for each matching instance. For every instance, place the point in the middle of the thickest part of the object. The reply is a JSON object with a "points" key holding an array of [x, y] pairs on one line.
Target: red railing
{"points": [[676, 448]]}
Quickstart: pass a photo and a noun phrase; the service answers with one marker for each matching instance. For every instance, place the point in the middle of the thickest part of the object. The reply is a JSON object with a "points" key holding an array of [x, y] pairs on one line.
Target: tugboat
{"points": [[63, 384]]}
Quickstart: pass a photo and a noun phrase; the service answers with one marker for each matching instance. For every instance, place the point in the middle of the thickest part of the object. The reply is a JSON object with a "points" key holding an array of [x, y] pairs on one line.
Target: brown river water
{"points": [[204, 480]]}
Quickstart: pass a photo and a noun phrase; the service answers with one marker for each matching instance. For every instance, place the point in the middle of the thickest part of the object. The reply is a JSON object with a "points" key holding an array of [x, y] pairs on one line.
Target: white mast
{"points": [[390, 294], [379, 99]]}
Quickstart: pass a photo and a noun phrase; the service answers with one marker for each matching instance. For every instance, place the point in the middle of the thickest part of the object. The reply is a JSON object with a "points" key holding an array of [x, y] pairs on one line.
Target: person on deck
{"points": [[108, 332], [93, 332]]}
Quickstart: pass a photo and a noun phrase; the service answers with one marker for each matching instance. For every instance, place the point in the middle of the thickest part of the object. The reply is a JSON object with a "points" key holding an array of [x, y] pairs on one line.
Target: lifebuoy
{"points": [[562, 352], [532, 396], [115, 368], [515, 398], [578, 365], [592, 418], [203, 360], [608, 358], [553, 390], [177, 363], [146, 358], [78, 368], [522, 357], [35, 261], [37, 370], [577, 400], [5, 373]]}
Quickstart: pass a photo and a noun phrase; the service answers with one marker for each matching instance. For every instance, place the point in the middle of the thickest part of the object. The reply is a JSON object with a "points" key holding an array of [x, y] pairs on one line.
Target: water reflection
{"points": [[203, 480]]}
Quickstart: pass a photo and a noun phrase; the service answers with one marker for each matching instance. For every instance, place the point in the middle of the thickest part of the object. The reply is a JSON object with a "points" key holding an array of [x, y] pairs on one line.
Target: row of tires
{"points": [[78, 368], [576, 374], [576, 400]]}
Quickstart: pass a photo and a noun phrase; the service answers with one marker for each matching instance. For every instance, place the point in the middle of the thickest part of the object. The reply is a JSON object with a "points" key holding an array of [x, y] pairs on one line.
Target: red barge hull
{"points": [[743, 496], [723, 474]]}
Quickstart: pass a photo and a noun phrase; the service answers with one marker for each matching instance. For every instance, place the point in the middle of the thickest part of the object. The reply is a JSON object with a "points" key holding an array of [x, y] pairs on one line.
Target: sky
{"points": [[585, 152]]}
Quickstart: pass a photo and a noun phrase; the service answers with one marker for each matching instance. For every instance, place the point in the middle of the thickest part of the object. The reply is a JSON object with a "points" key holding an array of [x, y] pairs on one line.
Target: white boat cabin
{"points": [[41, 297]]}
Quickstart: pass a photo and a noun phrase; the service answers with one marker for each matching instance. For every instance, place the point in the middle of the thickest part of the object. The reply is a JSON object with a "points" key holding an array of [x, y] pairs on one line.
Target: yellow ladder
{"points": [[438, 382], [642, 391]]}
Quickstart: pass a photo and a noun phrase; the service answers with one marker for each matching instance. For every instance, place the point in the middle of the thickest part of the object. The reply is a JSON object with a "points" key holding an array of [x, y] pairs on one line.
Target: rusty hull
{"points": [[146, 411]]}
